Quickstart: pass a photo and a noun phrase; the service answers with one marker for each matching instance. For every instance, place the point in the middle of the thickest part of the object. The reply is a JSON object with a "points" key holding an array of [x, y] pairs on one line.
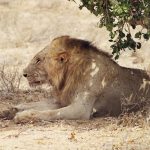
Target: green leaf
{"points": [[146, 36], [138, 35], [121, 34], [138, 45], [132, 44], [117, 56], [112, 35], [128, 36], [110, 40]]}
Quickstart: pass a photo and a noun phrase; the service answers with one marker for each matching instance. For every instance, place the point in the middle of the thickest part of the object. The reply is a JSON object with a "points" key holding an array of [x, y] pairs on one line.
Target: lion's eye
{"points": [[38, 60]]}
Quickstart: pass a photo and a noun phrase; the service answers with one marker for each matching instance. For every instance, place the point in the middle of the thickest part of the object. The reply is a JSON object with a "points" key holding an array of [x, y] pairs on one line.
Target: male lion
{"points": [[83, 79]]}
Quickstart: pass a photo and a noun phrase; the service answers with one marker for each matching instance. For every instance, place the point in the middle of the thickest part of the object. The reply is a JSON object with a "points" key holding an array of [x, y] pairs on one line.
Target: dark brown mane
{"points": [[70, 43]]}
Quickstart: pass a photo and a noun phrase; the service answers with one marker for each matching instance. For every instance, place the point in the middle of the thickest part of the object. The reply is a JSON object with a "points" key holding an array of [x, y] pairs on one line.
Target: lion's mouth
{"points": [[35, 83]]}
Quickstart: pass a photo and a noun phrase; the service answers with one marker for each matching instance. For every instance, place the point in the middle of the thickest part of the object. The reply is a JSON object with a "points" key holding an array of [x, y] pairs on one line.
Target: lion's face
{"points": [[48, 66], [35, 72]]}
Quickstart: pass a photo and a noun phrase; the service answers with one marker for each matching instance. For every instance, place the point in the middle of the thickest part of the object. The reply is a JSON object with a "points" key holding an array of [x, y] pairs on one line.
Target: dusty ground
{"points": [[94, 134], [131, 131], [26, 27]]}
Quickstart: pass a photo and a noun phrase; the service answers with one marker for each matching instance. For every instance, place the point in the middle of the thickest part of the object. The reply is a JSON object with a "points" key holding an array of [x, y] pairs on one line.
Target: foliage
{"points": [[119, 17]]}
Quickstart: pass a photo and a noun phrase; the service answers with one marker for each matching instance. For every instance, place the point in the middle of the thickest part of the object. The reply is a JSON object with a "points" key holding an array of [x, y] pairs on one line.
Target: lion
{"points": [[84, 80]]}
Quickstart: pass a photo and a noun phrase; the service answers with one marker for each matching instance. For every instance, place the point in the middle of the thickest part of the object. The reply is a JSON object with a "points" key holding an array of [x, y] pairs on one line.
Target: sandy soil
{"points": [[26, 27], [94, 134], [126, 132]]}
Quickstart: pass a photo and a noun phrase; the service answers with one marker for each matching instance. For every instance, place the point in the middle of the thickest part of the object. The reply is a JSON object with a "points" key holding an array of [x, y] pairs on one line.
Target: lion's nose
{"points": [[25, 75]]}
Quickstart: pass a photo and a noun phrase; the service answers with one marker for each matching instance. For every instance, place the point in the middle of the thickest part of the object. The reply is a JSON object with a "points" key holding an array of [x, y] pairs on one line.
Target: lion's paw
{"points": [[28, 116], [8, 112]]}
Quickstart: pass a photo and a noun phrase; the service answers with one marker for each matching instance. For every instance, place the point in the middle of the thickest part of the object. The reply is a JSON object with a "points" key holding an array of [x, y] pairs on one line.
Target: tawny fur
{"points": [[83, 78]]}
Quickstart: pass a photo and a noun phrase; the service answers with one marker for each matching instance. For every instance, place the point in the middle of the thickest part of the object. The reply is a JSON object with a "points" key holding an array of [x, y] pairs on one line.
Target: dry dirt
{"points": [[130, 131], [26, 26]]}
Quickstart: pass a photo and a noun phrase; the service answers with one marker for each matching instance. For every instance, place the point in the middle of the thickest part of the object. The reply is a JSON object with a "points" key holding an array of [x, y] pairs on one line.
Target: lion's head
{"points": [[63, 64], [47, 66]]}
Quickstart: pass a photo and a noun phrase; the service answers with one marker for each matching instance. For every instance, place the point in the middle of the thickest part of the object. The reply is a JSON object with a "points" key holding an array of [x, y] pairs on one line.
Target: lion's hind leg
{"points": [[108, 103]]}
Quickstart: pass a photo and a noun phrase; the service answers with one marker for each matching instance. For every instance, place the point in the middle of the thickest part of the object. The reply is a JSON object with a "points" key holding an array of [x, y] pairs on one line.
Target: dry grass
{"points": [[10, 79]]}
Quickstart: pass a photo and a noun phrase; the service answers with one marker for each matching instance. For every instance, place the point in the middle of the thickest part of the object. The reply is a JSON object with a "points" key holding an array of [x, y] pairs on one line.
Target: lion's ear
{"points": [[63, 57]]}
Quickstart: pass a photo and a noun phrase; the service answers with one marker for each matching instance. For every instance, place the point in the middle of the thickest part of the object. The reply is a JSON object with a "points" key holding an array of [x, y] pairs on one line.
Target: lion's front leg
{"points": [[81, 108], [40, 105]]}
